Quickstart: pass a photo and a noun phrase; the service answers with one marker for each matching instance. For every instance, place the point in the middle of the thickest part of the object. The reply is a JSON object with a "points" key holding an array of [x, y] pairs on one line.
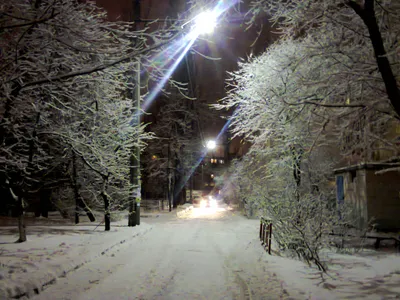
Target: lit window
{"points": [[212, 175], [221, 161]]}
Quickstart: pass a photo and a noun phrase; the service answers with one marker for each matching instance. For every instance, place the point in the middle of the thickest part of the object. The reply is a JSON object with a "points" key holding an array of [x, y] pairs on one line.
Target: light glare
{"points": [[205, 23], [211, 145]]}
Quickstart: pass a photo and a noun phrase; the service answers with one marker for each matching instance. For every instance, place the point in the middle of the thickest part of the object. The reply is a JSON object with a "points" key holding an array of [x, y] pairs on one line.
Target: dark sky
{"points": [[229, 42]]}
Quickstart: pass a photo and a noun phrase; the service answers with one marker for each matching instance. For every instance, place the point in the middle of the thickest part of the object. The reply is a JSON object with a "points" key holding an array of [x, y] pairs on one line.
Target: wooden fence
{"points": [[266, 233]]}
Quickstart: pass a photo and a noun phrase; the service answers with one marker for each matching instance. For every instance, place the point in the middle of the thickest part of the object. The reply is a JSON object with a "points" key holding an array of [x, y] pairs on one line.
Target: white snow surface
{"points": [[53, 251], [198, 255]]}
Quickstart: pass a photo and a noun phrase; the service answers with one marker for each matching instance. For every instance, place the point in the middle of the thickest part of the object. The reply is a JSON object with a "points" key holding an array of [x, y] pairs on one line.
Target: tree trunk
{"points": [[169, 199], [82, 204], [297, 155], [79, 202], [75, 187], [176, 194], [21, 221], [296, 170], [367, 14], [19, 199], [18, 213], [107, 216]]}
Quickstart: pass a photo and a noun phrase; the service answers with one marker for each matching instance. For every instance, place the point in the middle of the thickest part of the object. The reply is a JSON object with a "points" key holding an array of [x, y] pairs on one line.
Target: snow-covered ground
{"points": [[368, 274], [202, 254], [53, 251], [362, 276]]}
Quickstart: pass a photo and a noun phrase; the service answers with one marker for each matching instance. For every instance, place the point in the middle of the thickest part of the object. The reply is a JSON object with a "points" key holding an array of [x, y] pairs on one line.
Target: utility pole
{"points": [[138, 182], [135, 197]]}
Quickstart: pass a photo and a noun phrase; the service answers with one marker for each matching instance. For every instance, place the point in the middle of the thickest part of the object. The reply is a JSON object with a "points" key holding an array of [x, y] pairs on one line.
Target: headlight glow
{"points": [[203, 203]]}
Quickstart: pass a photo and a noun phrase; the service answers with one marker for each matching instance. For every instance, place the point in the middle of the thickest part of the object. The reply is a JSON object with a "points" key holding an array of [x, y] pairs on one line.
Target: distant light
{"points": [[211, 145], [205, 23]]}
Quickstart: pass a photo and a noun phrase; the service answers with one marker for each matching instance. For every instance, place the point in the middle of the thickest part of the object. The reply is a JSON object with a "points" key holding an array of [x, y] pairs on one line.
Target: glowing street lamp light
{"points": [[205, 22], [211, 145]]}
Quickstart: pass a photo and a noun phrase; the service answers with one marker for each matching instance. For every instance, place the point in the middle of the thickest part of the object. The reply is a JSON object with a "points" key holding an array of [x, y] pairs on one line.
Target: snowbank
{"points": [[184, 209], [369, 274], [52, 252]]}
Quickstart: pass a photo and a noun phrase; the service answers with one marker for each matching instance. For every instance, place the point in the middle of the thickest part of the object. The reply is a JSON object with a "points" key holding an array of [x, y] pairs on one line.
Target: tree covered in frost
{"points": [[66, 105], [324, 91], [361, 36]]}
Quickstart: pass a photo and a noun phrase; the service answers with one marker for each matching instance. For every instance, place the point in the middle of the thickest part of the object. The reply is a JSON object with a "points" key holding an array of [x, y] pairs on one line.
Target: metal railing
{"points": [[266, 233]]}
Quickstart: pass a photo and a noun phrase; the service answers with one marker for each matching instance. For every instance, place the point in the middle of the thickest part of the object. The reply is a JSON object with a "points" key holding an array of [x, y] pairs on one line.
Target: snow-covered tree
{"points": [[66, 109], [323, 90], [362, 32]]}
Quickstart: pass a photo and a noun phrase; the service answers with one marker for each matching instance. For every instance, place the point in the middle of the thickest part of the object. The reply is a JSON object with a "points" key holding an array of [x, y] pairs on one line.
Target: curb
{"points": [[30, 288]]}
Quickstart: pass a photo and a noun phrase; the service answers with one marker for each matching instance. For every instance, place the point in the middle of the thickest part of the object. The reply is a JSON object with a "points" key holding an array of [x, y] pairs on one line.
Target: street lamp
{"points": [[211, 145], [205, 23]]}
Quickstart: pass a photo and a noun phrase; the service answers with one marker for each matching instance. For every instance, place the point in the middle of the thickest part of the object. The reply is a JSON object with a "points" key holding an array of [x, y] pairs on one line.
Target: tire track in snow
{"points": [[243, 291]]}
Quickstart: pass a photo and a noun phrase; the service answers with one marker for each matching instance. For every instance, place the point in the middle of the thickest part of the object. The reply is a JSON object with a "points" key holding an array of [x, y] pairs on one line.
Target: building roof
{"points": [[369, 166]]}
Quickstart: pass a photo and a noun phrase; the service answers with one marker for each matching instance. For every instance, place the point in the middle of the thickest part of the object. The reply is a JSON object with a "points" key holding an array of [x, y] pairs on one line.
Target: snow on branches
{"points": [[317, 96], [66, 75]]}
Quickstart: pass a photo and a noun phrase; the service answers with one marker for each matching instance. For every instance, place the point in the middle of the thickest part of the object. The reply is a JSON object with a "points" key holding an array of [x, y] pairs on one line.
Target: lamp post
{"points": [[135, 197], [138, 179]]}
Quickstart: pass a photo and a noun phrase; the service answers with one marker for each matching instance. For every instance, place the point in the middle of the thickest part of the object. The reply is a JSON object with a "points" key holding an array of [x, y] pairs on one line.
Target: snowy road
{"points": [[203, 255]]}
